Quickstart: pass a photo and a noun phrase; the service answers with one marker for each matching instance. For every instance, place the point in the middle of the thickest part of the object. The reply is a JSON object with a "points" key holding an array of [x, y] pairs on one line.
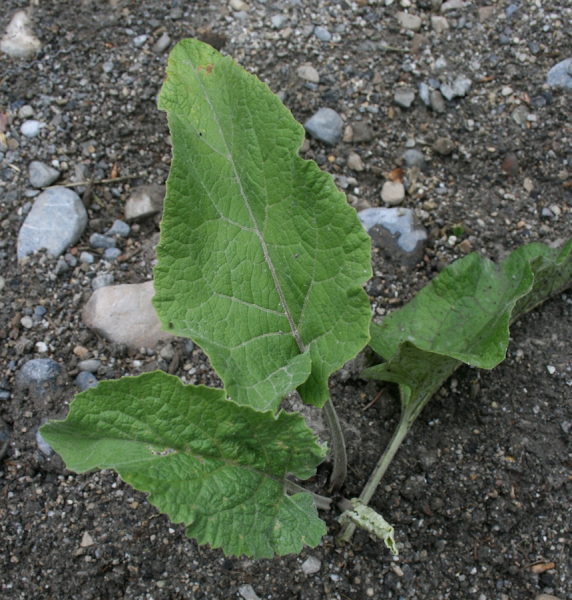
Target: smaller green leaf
{"points": [[371, 521], [218, 467]]}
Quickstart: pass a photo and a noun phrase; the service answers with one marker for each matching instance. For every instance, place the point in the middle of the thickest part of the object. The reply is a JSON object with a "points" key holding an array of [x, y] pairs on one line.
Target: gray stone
{"points": [[30, 128], [437, 102], [362, 132], [311, 565], [395, 231], [19, 41], [39, 376], [404, 97], [176, 13], [462, 85], [326, 125], [414, 158], [4, 439], [439, 24], [124, 314], [162, 43], [97, 240], [86, 257], [139, 41], [43, 446], [452, 5], [560, 76], [85, 380], [119, 228], [322, 34], [443, 146], [308, 73], [144, 201], [247, 592], [424, 93], [41, 175], [520, 114], [56, 221], [112, 253], [91, 365], [108, 66], [25, 112], [279, 21], [61, 266], [393, 193], [407, 21], [447, 91], [101, 281]]}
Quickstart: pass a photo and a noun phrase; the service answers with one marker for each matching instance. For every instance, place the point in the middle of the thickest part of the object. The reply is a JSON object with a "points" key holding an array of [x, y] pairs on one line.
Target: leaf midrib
{"points": [[257, 231]]}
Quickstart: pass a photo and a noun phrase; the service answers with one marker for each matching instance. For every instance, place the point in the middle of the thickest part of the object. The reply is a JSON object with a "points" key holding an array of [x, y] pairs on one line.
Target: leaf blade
{"points": [[264, 239], [207, 462]]}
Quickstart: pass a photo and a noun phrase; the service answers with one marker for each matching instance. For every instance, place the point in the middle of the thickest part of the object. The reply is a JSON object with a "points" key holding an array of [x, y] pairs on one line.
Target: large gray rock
{"points": [[560, 76], [39, 377], [19, 41], [56, 221], [395, 231], [326, 126], [124, 314], [41, 175], [144, 201]]}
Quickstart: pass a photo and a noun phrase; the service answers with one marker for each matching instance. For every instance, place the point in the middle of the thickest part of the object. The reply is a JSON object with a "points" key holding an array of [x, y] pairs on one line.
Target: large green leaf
{"points": [[463, 316], [216, 466], [261, 260]]}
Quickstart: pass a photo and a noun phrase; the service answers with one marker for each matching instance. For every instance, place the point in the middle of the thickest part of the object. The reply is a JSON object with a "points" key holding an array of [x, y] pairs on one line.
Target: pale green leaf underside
{"points": [[261, 260], [365, 517], [207, 462], [463, 316]]}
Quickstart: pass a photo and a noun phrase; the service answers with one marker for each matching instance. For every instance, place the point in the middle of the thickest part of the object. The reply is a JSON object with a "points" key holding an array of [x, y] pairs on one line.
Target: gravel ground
{"points": [[450, 101]]}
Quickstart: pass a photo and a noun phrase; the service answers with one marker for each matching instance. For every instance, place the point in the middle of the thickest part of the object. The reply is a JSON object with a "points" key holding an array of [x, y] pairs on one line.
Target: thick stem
{"points": [[338, 446], [380, 469], [320, 501]]}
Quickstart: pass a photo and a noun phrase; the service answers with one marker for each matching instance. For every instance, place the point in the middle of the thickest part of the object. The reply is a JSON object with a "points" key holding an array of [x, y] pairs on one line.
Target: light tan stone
{"points": [[393, 193], [308, 73], [355, 162], [144, 201], [124, 314], [407, 21], [19, 40]]}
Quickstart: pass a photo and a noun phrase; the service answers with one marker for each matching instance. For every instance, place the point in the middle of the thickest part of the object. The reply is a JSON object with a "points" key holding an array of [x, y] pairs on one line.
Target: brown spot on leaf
{"points": [[210, 68]]}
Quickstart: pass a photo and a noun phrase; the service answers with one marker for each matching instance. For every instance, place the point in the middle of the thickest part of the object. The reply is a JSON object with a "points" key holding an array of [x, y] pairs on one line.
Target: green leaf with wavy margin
{"points": [[207, 462], [261, 260], [463, 315]]}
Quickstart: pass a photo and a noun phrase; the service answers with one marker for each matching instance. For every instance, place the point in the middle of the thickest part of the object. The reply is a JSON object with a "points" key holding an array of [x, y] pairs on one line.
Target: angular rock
{"points": [[407, 21], [462, 85], [393, 193], [395, 231], [101, 281], [560, 76], [247, 592], [19, 41], [439, 24], [447, 91], [39, 377], [119, 228], [362, 132], [404, 97], [124, 314], [41, 175], [443, 146], [437, 102], [308, 73], [144, 201], [56, 221], [311, 565], [326, 126], [355, 162]]}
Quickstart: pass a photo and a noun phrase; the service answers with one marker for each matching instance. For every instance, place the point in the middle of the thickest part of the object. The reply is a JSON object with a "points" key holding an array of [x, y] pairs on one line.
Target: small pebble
{"points": [[91, 365], [326, 125], [311, 565], [248, 593], [139, 40], [112, 253], [404, 97], [85, 380], [322, 34], [43, 446], [86, 257], [30, 128], [393, 193], [444, 146], [414, 158], [97, 240], [25, 112], [162, 43], [101, 281]]}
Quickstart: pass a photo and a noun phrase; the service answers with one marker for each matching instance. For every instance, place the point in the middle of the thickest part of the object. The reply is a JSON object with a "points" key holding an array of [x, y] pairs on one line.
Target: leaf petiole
{"points": [[321, 502], [340, 470]]}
